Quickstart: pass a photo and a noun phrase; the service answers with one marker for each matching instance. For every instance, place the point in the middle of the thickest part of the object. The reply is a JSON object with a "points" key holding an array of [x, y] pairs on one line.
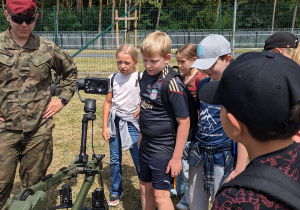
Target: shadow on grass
{"points": [[131, 199], [131, 193]]}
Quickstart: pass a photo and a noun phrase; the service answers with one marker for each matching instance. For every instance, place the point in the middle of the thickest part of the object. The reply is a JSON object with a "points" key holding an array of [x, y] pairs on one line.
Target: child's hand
{"points": [[1, 119], [137, 114], [175, 166], [105, 134]]}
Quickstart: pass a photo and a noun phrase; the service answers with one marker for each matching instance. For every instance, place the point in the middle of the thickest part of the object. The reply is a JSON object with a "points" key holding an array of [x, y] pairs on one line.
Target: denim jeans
{"points": [[115, 146]]}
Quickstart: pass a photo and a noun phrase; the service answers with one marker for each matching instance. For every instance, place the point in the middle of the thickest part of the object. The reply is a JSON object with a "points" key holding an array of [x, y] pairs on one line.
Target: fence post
{"points": [[55, 26], [220, 18], [233, 29]]}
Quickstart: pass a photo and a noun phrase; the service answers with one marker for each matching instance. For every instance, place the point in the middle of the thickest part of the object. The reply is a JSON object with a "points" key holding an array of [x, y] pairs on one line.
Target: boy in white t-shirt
{"points": [[120, 116]]}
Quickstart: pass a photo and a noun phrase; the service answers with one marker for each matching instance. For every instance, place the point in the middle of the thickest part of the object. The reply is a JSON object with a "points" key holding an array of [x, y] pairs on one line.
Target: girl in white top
{"points": [[120, 116]]}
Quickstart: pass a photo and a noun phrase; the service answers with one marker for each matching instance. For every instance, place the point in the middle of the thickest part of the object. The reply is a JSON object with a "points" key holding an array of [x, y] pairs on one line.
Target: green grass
{"points": [[67, 140]]}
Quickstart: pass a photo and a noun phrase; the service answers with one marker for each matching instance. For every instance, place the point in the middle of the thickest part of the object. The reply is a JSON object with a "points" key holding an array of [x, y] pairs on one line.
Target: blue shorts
{"points": [[154, 170]]}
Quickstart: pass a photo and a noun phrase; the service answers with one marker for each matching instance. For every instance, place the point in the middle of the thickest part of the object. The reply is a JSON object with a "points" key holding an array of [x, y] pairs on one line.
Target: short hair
{"points": [[129, 50], [296, 57], [294, 118], [288, 52], [188, 51], [156, 43]]}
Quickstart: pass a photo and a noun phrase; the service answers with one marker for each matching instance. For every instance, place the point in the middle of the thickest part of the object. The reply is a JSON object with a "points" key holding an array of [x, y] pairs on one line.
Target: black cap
{"points": [[258, 88], [282, 39]]}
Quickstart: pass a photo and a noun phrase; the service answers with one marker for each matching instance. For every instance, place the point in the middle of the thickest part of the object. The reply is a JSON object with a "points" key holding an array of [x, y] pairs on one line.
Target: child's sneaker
{"points": [[181, 206], [114, 200]]}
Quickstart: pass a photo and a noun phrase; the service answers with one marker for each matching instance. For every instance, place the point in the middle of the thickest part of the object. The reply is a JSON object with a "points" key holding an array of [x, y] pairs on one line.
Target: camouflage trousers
{"points": [[33, 150]]}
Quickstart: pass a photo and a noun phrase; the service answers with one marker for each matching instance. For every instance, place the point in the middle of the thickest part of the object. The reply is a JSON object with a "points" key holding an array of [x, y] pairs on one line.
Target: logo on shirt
{"points": [[153, 94], [208, 122], [166, 181]]}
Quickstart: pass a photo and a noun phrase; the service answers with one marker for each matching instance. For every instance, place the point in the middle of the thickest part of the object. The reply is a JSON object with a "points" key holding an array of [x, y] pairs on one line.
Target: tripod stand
{"points": [[35, 197]]}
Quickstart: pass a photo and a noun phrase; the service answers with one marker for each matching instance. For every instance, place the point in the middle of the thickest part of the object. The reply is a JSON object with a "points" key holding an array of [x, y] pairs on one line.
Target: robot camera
{"points": [[93, 85]]}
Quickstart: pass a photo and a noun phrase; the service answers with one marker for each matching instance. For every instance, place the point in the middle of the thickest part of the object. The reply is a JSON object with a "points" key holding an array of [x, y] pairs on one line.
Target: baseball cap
{"points": [[209, 50], [21, 7], [259, 89], [282, 39]]}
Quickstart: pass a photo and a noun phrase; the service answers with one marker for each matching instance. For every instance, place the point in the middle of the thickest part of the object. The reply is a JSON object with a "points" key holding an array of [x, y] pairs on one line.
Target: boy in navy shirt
{"points": [[160, 151], [260, 108]]}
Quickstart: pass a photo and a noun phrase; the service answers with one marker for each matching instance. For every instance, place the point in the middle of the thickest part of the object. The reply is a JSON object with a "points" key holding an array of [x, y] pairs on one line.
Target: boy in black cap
{"points": [[260, 99], [283, 42]]}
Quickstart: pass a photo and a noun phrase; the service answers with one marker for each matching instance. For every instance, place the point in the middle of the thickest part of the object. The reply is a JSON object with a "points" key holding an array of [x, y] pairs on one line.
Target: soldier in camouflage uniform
{"points": [[26, 106]]}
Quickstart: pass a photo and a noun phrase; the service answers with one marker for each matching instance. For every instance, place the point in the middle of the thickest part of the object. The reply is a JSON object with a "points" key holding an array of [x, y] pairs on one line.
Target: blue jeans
{"points": [[115, 146]]}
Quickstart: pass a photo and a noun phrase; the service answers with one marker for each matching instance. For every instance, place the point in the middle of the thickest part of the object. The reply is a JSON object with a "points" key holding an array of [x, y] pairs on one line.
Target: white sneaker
{"points": [[180, 206]]}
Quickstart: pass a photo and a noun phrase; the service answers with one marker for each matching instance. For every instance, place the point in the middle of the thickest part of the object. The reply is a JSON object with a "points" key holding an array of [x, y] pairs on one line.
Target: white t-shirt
{"points": [[126, 92]]}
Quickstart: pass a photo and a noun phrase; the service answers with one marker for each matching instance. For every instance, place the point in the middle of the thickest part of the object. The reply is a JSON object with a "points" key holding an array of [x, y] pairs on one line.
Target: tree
{"points": [[42, 13], [158, 15], [57, 11], [113, 13], [100, 21], [295, 14], [273, 17]]}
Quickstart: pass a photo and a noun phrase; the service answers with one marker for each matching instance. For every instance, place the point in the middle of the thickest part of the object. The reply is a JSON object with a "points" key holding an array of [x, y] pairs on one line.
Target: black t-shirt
{"points": [[287, 160], [155, 124]]}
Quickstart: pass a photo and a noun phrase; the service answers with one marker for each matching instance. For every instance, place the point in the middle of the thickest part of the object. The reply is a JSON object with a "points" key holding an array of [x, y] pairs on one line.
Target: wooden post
{"points": [[117, 28], [135, 28], [135, 23]]}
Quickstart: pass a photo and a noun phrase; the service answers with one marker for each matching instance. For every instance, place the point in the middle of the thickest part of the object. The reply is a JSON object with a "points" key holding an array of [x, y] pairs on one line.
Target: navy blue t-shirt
{"points": [[210, 131], [155, 124]]}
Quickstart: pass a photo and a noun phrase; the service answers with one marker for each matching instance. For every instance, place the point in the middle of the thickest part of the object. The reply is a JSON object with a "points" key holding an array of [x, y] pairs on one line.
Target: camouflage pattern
{"points": [[25, 79], [33, 149]]}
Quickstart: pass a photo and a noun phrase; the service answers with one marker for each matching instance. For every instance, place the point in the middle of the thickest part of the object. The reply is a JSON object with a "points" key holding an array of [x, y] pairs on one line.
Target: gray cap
{"points": [[209, 50]]}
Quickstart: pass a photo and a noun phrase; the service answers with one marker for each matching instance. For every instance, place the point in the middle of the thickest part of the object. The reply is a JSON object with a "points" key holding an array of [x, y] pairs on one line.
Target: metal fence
{"points": [[74, 29]]}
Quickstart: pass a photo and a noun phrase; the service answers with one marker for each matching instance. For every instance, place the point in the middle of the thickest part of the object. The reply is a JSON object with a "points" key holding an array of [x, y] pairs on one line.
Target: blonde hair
{"points": [[296, 56], [129, 50], [156, 43], [288, 52]]}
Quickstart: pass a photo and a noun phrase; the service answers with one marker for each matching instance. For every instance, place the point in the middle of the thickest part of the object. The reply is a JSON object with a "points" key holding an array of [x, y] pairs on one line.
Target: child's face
{"points": [[183, 63], [126, 64], [155, 64], [215, 72]]}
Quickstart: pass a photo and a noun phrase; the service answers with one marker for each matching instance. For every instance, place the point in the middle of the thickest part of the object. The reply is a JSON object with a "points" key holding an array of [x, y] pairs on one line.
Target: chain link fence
{"points": [[75, 30]]}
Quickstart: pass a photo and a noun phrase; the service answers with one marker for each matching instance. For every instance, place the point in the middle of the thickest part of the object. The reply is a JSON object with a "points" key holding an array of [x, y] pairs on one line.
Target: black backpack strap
{"points": [[112, 80], [140, 78], [166, 100], [270, 181], [143, 77], [202, 82]]}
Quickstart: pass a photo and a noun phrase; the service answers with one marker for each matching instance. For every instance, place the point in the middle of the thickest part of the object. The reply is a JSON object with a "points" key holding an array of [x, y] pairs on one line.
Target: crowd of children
{"points": [[243, 112]]}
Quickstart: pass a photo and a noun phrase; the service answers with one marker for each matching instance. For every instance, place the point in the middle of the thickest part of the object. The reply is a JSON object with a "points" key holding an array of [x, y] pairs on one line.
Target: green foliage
{"points": [[172, 17]]}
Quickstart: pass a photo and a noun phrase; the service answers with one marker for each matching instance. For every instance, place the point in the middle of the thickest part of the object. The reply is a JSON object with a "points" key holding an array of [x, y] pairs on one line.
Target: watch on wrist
{"points": [[64, 101]]}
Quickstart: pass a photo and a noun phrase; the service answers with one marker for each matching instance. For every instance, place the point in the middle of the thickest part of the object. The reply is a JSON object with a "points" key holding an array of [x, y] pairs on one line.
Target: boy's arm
{"points": [[106, 108], [182, 134], [241, 161]]}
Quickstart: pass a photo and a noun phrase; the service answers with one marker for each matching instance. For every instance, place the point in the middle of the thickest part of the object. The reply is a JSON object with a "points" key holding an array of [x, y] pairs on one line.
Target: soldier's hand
{"points": [[1, 119], [52, 108]]}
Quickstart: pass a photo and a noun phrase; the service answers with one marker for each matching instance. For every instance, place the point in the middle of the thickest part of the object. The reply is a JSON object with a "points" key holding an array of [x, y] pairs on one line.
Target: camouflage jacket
{"points": [[25, 78]]}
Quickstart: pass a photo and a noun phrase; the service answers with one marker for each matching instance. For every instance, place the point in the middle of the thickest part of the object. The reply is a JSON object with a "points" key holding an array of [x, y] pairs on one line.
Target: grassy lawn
{"points": [[67, 140]]}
